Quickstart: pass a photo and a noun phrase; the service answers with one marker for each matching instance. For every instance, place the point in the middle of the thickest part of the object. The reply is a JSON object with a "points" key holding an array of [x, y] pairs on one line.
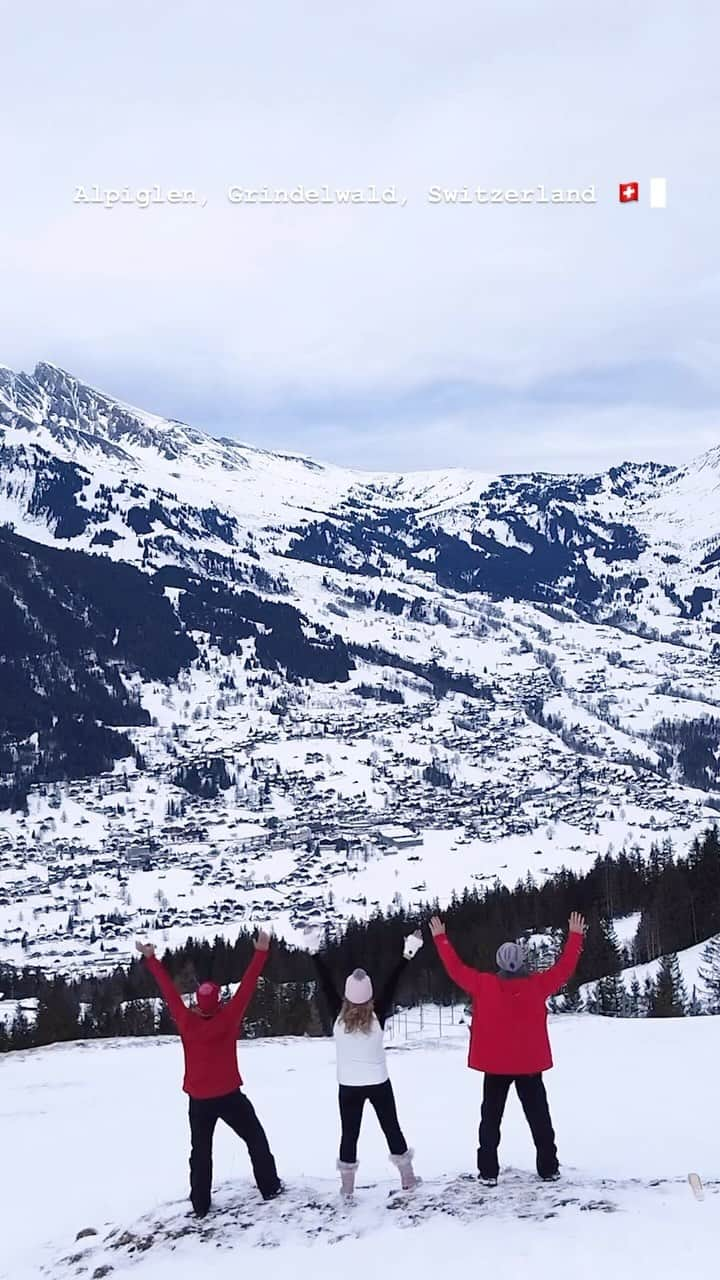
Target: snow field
{"points": [[98, 1135]]}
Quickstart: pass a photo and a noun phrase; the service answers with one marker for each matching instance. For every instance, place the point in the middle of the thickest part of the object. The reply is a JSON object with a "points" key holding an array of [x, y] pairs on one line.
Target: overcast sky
{"points": [[503, 337]]}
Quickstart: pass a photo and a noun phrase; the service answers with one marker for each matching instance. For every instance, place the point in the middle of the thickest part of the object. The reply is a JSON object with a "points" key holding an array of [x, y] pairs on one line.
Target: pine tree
{"points": [[573, 1001], [646, 999], [611, 996], [601, 954], [695, 1007], [634, 1008], [138, 1018], [669, 998], [165, 1024], [21, 1036], [591, 1001], [57, 1015], [709, 974]]}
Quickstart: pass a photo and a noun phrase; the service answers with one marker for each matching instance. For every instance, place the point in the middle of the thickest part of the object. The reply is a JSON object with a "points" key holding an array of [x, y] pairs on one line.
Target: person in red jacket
{"points": [[209, 1031], [509, 1039]]}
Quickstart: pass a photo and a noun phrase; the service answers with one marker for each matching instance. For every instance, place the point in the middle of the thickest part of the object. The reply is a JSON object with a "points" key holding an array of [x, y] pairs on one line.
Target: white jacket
{"points": [[360, 1054]]}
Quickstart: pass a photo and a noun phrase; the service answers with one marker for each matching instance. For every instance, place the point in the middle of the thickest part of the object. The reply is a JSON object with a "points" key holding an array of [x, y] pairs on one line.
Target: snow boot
{"points": [[277, 1191], [408, 1181], [550, 1177], [487, 1182], [347, 1178]]}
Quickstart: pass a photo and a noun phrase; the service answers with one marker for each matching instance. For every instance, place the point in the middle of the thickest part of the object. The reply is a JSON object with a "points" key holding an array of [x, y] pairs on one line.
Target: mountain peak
{"points": [[44, 366], [51, 376]]}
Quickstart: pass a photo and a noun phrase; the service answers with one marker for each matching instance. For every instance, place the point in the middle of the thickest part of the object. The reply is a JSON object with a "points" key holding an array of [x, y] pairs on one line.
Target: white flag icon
{"points": [[658, 193]]}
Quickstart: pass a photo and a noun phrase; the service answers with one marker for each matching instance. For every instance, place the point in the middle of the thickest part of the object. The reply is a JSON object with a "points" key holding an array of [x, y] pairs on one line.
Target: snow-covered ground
{"points": [[95, 1137]]}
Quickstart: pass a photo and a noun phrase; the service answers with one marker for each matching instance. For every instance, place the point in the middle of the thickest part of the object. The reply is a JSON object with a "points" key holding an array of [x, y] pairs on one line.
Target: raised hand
{"points": [[577, 923], [146, 949], [262, 942], [437, 928]]}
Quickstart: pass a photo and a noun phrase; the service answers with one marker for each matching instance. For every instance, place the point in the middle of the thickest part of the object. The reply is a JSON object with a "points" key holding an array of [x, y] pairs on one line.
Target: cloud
{"points": [[287, 318], [511, 439]]}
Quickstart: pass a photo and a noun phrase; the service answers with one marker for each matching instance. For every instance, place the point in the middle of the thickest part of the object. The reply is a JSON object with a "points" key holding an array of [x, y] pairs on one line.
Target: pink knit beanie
{"points": [[358, 988]]}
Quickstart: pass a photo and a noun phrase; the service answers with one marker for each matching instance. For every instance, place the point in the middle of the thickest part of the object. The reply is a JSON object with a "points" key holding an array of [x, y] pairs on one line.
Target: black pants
{"points": [[352, 1099], [238, 1112], [531, 1092]]}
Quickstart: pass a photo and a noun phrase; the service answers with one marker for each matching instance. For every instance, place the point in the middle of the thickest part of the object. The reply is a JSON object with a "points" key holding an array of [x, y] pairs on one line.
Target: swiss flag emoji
{"points": [[628, 191]]}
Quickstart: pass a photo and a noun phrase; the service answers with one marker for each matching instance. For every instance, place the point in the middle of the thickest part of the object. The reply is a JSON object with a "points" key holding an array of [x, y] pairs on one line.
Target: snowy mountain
{"points": [[87, 470], [238, 683]]}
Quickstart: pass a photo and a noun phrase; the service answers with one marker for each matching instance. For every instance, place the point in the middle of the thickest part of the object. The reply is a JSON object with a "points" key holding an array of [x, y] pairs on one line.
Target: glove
{"points": [[314, 941], [412, 946]]}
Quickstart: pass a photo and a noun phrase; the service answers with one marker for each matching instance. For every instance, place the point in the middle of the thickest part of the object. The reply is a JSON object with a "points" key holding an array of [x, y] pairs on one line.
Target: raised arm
{"points": [[327, 986], [465, 977], [170, 994], [554, 978], [237, 1007], [385, 997]]}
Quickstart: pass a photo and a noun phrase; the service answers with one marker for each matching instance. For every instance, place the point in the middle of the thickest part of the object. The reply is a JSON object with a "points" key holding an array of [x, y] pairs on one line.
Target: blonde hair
{"points": [[357, 1017]]}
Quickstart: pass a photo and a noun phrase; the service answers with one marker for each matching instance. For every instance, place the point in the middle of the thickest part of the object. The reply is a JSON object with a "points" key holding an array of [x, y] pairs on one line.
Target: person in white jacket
{"points": [[359, 1017]]}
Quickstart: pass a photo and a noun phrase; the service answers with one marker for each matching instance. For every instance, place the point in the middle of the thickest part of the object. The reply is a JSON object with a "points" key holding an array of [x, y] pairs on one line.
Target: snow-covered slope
{"points": [[494, 663], [99, 1138]]}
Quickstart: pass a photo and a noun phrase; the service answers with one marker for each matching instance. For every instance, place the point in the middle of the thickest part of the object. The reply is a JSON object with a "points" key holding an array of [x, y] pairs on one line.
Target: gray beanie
{"points": [[510, 957]]}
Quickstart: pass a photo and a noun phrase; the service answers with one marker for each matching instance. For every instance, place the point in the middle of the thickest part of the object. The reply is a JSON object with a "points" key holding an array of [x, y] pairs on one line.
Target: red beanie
{"points": [[208, 997]]}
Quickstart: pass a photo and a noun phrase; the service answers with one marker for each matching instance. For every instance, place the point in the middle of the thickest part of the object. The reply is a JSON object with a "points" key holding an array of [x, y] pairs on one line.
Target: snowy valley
{"points": [[266, 689]]}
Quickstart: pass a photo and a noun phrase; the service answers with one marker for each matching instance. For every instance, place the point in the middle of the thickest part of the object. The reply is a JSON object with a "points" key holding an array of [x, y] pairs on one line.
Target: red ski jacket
{"points": [[509, 1034], [210, 1044]]}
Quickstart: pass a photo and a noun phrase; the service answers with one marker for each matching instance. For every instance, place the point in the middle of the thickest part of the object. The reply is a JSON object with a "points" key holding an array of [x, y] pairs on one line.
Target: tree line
{"points": [[676, 899]]}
